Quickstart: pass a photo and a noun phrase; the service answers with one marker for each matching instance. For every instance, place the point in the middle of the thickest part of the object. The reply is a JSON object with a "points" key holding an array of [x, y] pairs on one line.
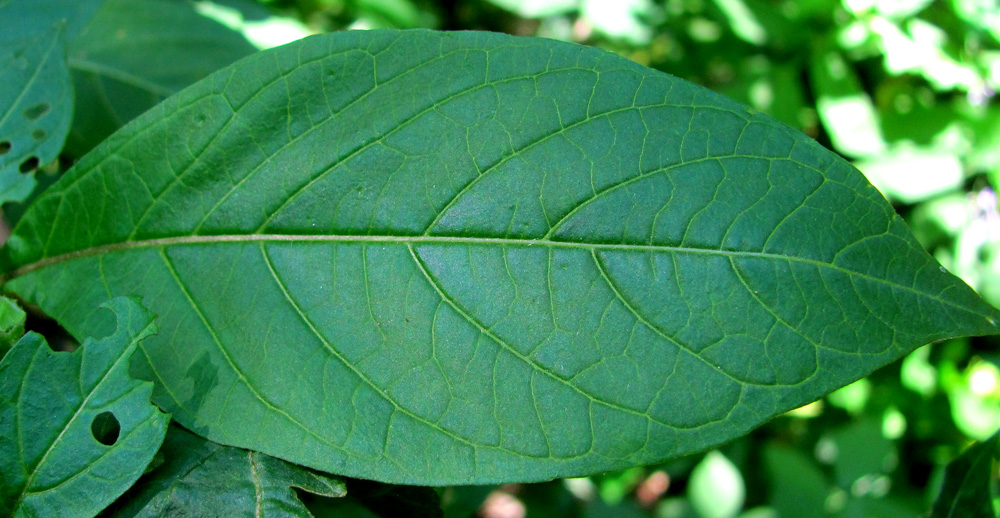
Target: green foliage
{"points": [[202, 478], [36, 110], [135, 53], [11, 324], [584, 224], [424, 259], [75, 429], [970, 489]]}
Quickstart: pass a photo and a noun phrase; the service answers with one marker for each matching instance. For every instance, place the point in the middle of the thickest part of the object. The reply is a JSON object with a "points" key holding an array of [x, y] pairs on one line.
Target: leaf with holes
{"points": [[75, 429], [135, 53], [36, 105], [202, 478], [463, 258]]}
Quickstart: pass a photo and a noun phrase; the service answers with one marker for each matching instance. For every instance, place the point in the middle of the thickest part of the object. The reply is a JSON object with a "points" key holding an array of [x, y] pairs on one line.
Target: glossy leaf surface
{"points": [[199, 478], [75, 429], [440, 258]]}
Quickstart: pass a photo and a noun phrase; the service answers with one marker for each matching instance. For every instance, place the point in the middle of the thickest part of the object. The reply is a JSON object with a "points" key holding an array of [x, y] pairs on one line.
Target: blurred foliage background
{"points": [[906, 89]]}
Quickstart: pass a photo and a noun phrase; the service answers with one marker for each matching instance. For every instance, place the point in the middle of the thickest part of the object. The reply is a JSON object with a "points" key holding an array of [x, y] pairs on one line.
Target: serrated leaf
{"points": [[440, 258], [970, 483], [75, 429], [36, 105], [199, 478], [135, 53]]}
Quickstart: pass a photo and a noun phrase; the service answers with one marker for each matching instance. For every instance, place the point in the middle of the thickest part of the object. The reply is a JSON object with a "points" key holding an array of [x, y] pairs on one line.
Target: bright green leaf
{"points": [[538, 8], [36, 105], [970, 483], [846, 111], [75, 429], [913, 175], [201, 478], [135, 53], [441, 258], [716, 488], [11, 324]]}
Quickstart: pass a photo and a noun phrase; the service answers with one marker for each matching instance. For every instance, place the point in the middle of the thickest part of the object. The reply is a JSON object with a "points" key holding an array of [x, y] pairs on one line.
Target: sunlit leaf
{"points": [[716, 488]]}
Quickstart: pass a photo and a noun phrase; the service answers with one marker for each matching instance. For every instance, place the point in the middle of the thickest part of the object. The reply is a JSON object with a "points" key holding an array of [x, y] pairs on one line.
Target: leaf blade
{"points": [[592, 265], [54, 462]]}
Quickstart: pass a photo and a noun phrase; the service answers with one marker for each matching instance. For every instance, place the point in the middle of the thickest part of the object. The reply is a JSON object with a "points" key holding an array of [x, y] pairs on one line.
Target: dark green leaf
{"points": [[440, 258], [798, 488], [199, 478], [36, 104], [60, 454], [135, 53], [970, 484]]}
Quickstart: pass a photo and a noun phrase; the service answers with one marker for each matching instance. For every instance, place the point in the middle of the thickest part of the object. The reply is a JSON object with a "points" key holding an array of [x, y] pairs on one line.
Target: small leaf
{"points": [[469, 258], [970, 483], [11, 324], [36, 104], [716, 487], [75, 429], [199, 478]]}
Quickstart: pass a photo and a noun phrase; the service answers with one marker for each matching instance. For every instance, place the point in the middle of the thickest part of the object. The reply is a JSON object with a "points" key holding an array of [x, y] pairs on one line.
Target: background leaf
{"points": [[199, 478], [135, 53], [54, 460], [590, 265], [11, 324], [36, 17], [970, 483], [36, 104]]}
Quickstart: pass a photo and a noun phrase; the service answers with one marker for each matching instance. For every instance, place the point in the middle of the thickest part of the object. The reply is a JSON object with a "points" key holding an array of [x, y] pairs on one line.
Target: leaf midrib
{"points": [[411, 240]]}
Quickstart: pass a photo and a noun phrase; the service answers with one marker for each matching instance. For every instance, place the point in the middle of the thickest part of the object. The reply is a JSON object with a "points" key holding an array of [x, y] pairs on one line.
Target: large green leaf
{"points": [[135, 53], [199, 478], [75, 429], [441, 258]]}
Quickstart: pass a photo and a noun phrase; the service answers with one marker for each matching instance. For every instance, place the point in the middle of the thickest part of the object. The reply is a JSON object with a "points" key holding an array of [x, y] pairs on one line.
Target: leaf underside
{"points": [[53, 459], [454, 258]]}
